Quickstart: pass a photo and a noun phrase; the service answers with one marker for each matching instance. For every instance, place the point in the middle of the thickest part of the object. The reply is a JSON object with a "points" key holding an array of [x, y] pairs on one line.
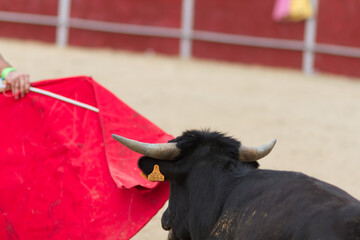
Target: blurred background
{"points": [[236, 31], [227, 65]]}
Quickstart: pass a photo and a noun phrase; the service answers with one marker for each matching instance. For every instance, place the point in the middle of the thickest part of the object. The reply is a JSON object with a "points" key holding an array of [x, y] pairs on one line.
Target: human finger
{"points": [[27, 83], [22, 83], [15, 87]]}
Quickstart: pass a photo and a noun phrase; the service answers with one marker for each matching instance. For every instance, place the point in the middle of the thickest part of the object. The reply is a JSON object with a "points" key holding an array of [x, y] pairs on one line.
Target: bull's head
{"points": [[170, 152]]}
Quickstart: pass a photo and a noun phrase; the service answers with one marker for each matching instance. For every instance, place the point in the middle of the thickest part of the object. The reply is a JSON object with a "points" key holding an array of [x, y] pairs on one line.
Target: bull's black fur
{"points": [[215, 196]]}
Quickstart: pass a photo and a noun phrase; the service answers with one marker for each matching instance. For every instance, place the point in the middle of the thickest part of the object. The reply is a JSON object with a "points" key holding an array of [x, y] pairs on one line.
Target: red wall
{"points": [[252, 18], [26, 31], [163, 13], [33, 6], [338, 23], [87, 38], [160, 13]]}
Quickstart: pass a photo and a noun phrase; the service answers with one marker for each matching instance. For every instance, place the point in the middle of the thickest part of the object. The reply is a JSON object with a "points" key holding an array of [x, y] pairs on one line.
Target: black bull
{"points": [[213, 195]]}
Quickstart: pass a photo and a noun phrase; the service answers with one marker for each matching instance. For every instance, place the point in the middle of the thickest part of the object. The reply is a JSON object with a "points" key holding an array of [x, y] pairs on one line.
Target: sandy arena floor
{"points": [[316, 119]]}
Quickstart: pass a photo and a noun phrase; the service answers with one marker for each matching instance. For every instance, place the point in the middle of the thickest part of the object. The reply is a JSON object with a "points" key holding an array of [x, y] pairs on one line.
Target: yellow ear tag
{"points": [[156, 175]]}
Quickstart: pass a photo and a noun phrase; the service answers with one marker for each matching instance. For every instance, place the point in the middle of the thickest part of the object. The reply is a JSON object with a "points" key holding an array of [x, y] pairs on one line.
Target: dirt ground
{"points": [[316, 119]]}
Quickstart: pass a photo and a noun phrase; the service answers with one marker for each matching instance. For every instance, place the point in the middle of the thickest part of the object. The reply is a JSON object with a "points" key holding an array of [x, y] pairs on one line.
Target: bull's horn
{"points": [[162, 151], [251, 154]]}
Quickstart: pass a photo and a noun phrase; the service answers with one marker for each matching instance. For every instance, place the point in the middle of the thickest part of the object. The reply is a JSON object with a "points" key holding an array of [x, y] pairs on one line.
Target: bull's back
{"points": [[287, 205]]}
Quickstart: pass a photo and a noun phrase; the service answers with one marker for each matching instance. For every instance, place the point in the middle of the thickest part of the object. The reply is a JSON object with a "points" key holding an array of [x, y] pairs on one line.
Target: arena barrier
{"points": [[238, 31]]}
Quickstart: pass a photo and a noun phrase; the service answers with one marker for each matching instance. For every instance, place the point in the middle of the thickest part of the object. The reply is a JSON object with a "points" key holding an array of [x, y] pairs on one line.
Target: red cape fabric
{"points": [[62, 176]]}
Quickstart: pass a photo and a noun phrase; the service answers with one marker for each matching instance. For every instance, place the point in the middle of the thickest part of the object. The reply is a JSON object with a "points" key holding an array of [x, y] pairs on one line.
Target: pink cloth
{"points": [[281, 10]]}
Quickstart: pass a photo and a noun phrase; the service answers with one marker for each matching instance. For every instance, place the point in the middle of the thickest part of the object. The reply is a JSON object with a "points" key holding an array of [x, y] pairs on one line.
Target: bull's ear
{"points": [[146, 165], [150, 169], [168, 169], [156, 175]]}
